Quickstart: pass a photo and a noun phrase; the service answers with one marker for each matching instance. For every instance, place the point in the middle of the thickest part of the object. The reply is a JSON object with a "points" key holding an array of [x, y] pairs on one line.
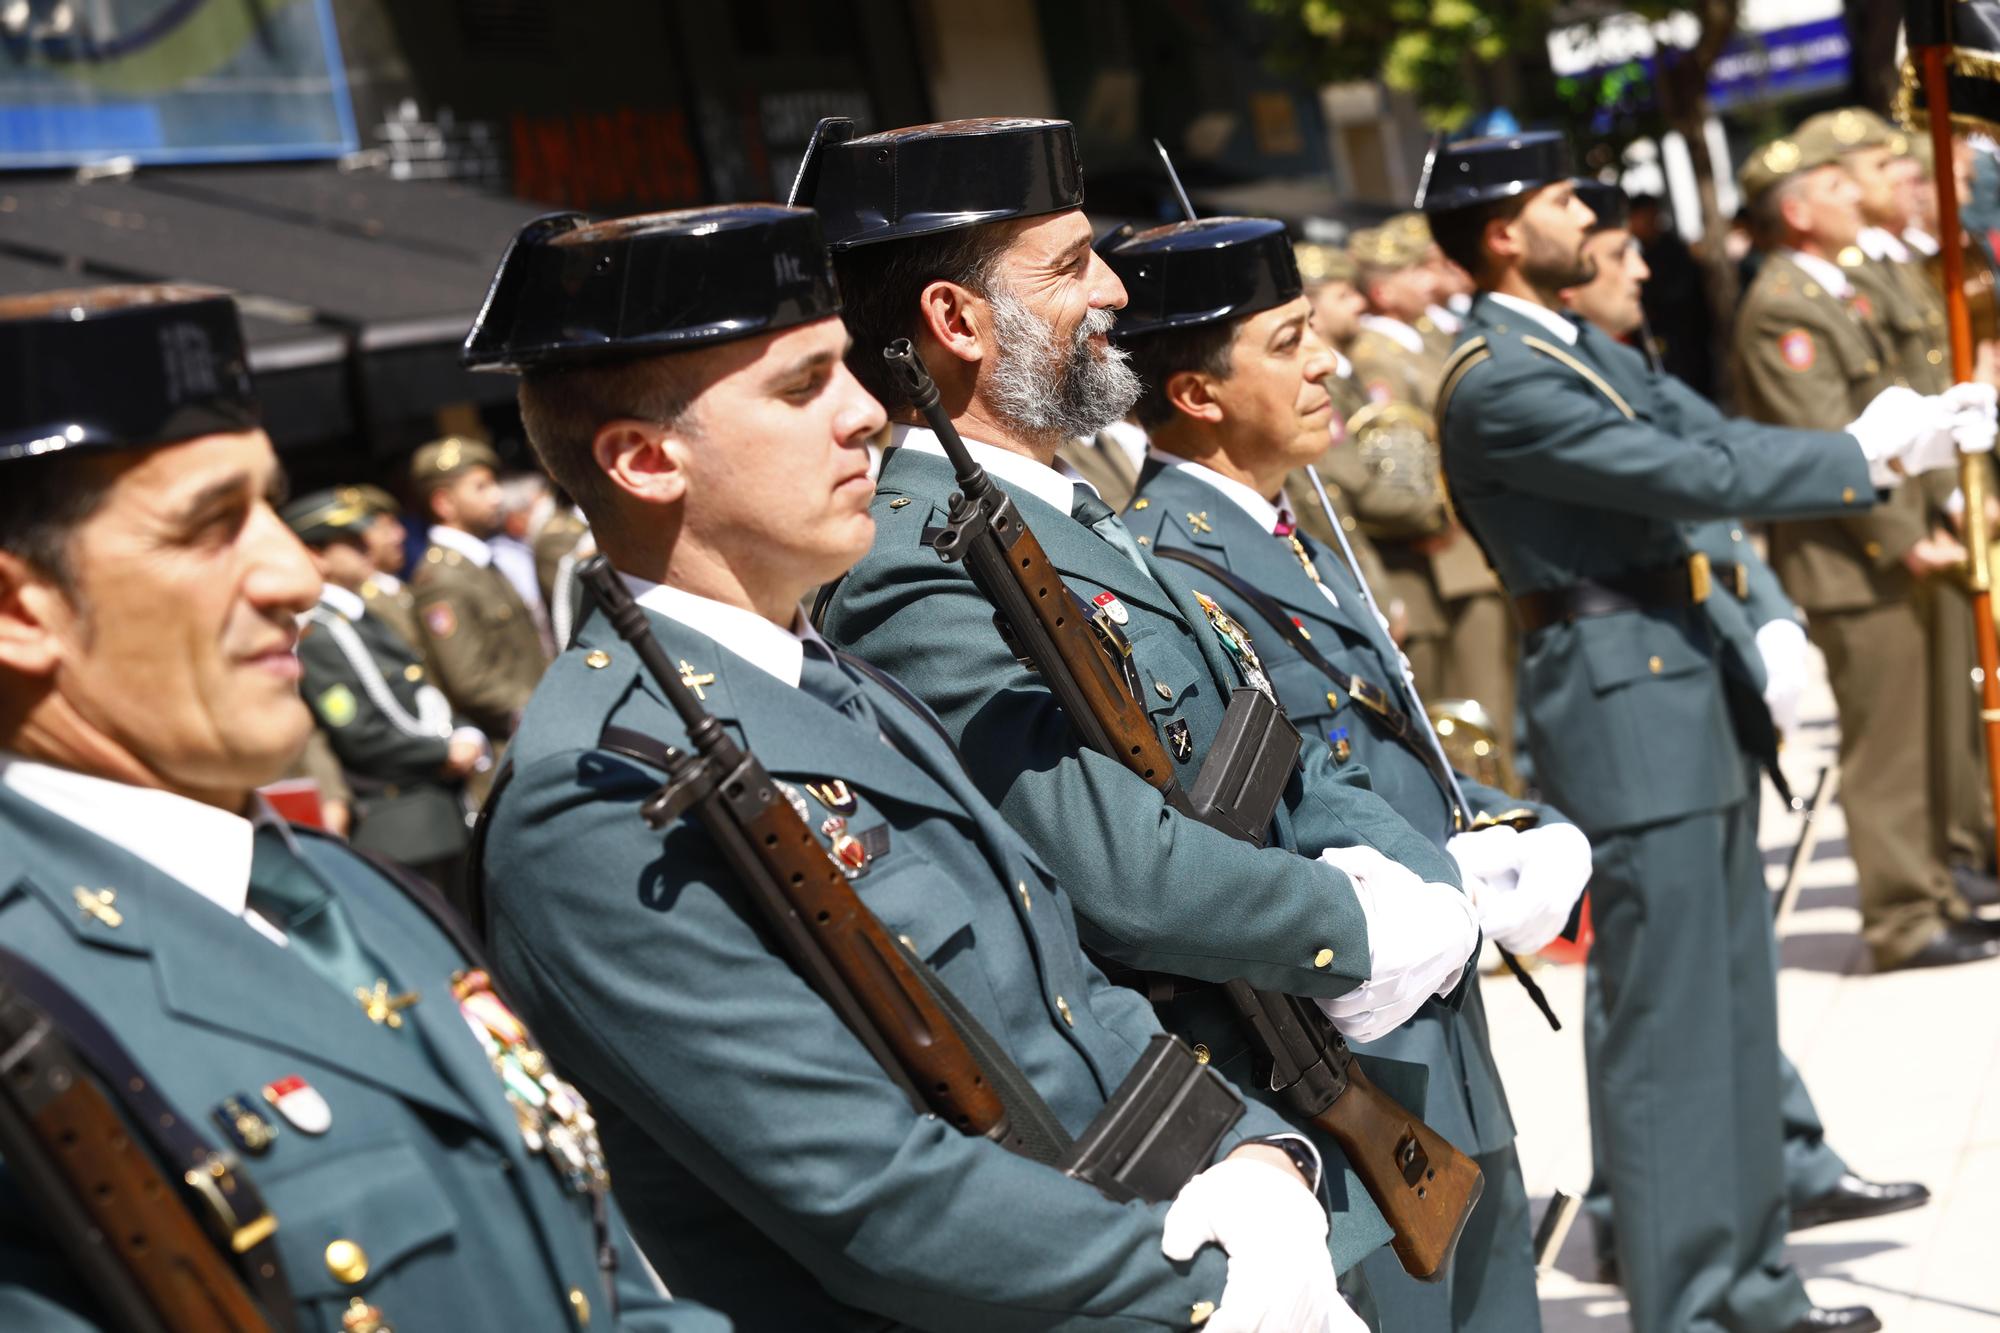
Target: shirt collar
{"points": [[1395, 330], [772, 649], [204, 848], [1879, 243], [1341, 365], [1055, 487], [1261, 511], [1542, 315], [467, 545], [344, 602], [388, 583], [1920, 240], [1447, 320], [1827, 274]]}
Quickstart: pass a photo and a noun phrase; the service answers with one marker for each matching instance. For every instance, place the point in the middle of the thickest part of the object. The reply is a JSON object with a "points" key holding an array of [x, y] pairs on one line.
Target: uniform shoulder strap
{"points": [[1596, 380], [1468, 354]]}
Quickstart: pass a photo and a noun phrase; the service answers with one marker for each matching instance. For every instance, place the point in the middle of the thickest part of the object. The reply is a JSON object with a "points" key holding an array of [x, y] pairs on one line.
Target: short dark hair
{"points": [[879, 286], [1461, 232], [1766, 213], [562, 410], [1158, 357], [42, 503]]}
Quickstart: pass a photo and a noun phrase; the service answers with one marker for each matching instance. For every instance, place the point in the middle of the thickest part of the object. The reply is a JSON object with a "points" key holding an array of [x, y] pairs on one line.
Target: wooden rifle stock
{"points": [[1424, 1187], [834, 941]]}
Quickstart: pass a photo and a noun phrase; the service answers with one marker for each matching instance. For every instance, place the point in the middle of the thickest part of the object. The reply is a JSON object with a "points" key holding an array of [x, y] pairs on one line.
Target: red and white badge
{"points": [[300, 1103], [1797, 348], [441, 619], [1108, 603]]}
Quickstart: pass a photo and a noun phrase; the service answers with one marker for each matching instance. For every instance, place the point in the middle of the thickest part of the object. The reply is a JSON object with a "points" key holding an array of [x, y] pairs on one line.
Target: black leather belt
{"points": [[1685, 583]]}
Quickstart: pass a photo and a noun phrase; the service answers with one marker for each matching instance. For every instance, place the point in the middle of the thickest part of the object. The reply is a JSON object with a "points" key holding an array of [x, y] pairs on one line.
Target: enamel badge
{"points": [[847, 851], [245, 1125], [835, 795], [1796, 347], [300, 1103], [1108, 603], [1236, 640]]}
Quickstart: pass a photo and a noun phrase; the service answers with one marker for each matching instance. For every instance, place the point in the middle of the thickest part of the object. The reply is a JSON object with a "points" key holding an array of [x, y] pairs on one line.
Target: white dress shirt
{"points": [[1542, 315], [1879, 243], [773, 649], [1826, 273], [467, 545], [1053, 486], [1395, 330], [1920, 240], [348, 604], [1261, 511], [1447, 320]]}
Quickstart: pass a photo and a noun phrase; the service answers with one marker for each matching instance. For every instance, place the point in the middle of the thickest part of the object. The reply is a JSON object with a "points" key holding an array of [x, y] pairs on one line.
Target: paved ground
{"points": [[1905, 1069]]}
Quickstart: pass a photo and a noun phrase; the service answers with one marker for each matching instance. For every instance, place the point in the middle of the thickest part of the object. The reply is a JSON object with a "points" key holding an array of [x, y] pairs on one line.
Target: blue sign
{"points": [[1781, 64]]}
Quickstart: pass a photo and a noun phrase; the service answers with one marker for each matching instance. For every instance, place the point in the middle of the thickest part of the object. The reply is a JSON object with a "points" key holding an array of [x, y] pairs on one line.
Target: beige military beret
{"points": [[1386, 248], [1414, 228], [371, 498], [1320, 264], [439, 461], [1817, 142]]}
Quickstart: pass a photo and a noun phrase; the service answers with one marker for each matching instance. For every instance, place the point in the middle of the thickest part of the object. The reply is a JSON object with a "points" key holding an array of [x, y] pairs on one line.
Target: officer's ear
{"points": [[958, 320], [1192, 393], [646, 460], [1503, 238], [33, 612]]}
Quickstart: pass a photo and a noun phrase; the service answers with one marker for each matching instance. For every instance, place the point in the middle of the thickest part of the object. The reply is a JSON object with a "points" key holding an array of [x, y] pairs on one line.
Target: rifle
{"points": [[151, 1261], [1424, 1186], [1158, 1129]]}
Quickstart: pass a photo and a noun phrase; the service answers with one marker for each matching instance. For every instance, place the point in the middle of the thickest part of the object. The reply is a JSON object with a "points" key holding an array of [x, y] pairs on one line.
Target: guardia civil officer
{"points": [[1762, 647], [405, 756], [279, 997], [969, 238], [480, 639], [1576, 482], [692, 397], [1232, 376], [1810, 352]]}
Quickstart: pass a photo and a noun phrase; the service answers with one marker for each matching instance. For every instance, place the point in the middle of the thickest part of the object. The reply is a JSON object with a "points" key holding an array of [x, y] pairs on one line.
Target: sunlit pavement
{"points": [[1905, 1069]]}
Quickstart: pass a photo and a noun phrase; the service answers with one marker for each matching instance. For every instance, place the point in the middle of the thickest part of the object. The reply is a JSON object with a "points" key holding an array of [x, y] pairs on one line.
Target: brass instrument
{"points": [[1473, 743]]}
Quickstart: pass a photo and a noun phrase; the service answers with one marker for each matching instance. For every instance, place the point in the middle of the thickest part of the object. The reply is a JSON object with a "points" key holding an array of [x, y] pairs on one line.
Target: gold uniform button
{"points": [[1141, 504], [597, 659], [1934, 356], [899, 502], [580, 1305], [1145, 541], [1027, 903], [1062, 1007], [1200, 1054], [1332, 699], [1324, 958], [1200, 1311], [1847, 495], [1164, 690], [1654, 664], [1873, 550], [347, 1262], [413, 673], [1736, 534]]}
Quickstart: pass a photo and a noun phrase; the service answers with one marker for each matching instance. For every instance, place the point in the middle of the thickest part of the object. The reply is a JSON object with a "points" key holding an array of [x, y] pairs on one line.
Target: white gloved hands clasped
{"points": [[1524, 885], [1903, 433], [1781, 644], [1274, 1232], [1420, 938]]}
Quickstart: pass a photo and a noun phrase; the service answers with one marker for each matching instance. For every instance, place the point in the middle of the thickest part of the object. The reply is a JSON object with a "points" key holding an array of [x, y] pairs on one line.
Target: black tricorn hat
{"points": [[120, 368], [1190, 273], [573, 292], [1609, 202], [931, 178], [1479, 171]]}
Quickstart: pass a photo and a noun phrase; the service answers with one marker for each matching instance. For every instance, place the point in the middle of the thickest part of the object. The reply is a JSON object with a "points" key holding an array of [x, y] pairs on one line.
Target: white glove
{"points": [[1781, 644], [1900, 422], [1553, 868], [1420, 938], [1274, 1232], [1972, 423]]}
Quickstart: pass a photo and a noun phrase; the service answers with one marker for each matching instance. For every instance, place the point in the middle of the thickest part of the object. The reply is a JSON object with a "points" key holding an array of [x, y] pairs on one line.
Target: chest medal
{"points": [[1236, 640], [553, 1118]]}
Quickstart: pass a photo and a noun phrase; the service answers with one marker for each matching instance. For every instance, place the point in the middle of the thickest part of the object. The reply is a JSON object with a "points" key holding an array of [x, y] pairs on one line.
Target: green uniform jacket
{"points": [[1569, 471], [423, 1165], [397, 607], [479, 639], [1805, 357], [1908, 310], [392, 732], [769, 1166], [1155, 891], [1453, 1046]]}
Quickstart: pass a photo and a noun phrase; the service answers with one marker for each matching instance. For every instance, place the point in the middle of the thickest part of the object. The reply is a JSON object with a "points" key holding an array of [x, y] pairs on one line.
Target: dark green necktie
{"points": [[286, 892], [1091, 511], [831, 683]]}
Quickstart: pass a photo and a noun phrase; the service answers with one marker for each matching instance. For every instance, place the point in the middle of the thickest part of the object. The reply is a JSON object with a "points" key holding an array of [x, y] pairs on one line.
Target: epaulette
{"points": [[1463, 358], [1596, 380]]}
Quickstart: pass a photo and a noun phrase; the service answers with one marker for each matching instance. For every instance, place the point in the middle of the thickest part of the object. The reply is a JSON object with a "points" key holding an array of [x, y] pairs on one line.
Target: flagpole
{"points": [[1934, 59]]}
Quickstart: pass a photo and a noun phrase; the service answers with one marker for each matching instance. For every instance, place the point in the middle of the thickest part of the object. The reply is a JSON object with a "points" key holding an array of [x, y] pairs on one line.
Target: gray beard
{"points": [[1050, 391]]}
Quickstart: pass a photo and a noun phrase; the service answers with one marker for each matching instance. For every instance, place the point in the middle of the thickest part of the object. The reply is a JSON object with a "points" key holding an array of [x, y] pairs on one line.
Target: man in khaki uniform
{"points": [[1807, 354], [385, 592], [561, 544], [1438, 324], [481, 643], [1460, 639]]}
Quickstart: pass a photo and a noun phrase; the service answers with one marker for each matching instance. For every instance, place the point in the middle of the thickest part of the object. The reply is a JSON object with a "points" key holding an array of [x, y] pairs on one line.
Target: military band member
{"points": [[1763, 656], [1460, 641], [1577, 480], [1011, 313], [1233, 372], [289, 1002], [480, 639], [719, 450], [387, 595], [405, 756], [1809, 353]]}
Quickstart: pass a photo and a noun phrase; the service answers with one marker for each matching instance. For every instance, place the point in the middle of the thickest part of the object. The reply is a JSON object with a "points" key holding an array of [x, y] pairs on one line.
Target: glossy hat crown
{"points": [[1191, 273], [931, 178], [1609, 202], [572, 292], [120, 368], [1479, 171], [325, 516]]}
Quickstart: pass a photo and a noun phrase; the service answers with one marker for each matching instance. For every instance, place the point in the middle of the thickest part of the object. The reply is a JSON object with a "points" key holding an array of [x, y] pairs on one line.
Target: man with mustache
{"points": [[279, 997], [1576, 482], [1232, 375], [691, 396], [1763, 654], [969, 238]]}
